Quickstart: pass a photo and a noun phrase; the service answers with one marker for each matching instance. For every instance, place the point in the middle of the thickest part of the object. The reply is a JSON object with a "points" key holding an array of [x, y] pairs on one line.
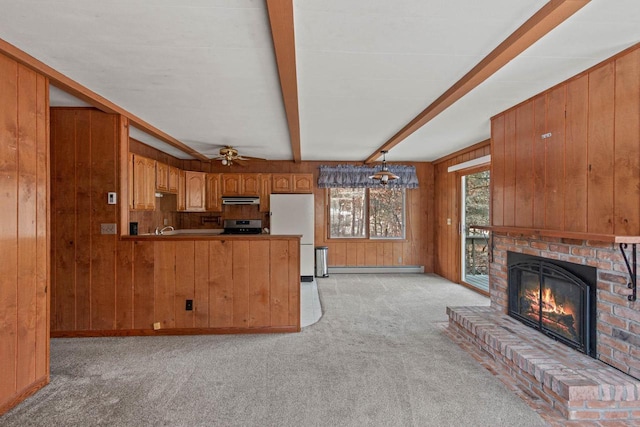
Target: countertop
{"points": [[203, 234]]}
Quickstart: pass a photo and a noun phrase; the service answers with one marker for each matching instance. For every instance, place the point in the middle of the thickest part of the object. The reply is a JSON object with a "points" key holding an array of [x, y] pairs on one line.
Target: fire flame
{"points": [[548, 301]]}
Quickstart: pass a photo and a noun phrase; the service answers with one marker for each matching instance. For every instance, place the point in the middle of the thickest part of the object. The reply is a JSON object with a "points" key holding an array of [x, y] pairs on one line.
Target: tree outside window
{"points": [[350, 208]]}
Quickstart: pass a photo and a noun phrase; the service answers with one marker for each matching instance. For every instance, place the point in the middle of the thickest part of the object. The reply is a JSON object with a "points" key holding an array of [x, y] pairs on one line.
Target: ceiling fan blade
{"points": [[251, 158]]}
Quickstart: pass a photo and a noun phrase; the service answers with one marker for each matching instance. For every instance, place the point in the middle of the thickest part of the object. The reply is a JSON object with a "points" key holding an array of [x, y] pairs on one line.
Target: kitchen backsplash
{"points": [[166, 209]]}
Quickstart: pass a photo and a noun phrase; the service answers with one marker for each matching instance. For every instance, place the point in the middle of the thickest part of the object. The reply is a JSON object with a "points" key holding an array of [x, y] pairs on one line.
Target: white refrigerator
{"points": [[294, 214]]}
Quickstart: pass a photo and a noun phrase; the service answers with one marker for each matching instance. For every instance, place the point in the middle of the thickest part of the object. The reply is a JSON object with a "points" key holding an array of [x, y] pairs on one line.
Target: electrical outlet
{"points": [[112, 198], [108, 229], [189, 305], [166, 221]]}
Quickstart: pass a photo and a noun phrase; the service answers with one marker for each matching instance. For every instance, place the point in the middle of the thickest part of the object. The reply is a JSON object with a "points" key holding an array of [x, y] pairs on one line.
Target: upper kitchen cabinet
{"points": [[144, 183], [265, 191], [162, 177], [166, 178], [173, 179], [214, 199], [553, 156], [240, 184], [195, 191], [292, 183], [182, 197]]}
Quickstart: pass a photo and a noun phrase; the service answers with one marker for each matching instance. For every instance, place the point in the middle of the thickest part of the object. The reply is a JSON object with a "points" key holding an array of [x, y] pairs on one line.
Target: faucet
{"points": [[160, 231]]}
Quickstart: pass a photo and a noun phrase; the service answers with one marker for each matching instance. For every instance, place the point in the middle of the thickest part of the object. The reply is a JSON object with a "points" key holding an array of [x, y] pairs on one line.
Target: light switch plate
{"points": [[108, 229], [112, 198]]}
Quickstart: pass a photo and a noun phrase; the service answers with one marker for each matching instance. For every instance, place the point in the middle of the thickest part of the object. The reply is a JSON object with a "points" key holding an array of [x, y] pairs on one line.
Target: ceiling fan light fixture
{"points": [[384, 175]]}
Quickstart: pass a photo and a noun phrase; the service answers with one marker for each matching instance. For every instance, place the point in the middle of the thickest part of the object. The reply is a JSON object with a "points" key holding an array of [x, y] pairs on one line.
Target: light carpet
{"points": [[378, 357]]}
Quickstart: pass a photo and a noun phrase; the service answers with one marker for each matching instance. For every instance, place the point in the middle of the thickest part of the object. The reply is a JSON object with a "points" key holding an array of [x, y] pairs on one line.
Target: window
{"points": [[375, 213]]}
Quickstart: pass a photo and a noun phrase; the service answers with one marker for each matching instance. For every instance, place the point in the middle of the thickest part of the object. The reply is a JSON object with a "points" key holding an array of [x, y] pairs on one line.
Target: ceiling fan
{"points": [[229, 156]]}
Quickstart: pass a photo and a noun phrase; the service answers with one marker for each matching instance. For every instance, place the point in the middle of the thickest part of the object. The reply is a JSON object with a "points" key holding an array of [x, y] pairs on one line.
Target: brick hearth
{"points": [[578, 386]]}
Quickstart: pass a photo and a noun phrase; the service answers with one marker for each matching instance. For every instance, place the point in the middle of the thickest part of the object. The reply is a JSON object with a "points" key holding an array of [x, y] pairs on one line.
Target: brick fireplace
{"points": [[617, 318], [580, 387]]}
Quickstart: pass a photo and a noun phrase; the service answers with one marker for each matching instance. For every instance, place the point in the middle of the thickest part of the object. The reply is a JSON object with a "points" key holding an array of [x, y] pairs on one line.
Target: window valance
{"points": [[351, 176]]}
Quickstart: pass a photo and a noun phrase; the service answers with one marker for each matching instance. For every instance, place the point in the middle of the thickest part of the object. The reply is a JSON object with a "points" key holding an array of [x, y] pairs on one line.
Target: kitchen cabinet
{"points": [[173, 179], [162, 177], [214, 199], [144, 183], [182, 197], [265, 192], [292, 183], [240, 184], [166, 178], [195, 191]]}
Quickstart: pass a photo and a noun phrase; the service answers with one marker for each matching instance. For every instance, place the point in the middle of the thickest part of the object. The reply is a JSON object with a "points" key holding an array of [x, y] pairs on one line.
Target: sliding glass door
{"points": [[475, 242]]}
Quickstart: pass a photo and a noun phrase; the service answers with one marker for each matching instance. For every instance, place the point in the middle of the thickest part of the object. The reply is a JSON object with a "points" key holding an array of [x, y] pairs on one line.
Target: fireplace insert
{"points": [[555, 297]]}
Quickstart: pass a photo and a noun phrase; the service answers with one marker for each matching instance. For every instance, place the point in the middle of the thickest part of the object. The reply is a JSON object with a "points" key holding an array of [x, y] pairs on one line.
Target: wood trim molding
{"points": [[282, 32], [65, 83], [523, 231], [175, 331], [24, 394], [484, 161], [542, 22]]}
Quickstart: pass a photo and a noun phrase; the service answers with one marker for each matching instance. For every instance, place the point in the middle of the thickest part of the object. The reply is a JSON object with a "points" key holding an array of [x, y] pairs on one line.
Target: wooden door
{"points": [[195, 191], [265, 192], [144, 183], [231, 185], [162, 177], [250, 184], [302, 183], [181, 199], [173, 179], [214, 200], [281, 183], [150, 185]]}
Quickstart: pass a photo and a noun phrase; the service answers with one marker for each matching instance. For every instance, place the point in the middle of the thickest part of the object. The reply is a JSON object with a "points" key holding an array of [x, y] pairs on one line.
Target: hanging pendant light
{"points": [[384, 175]]}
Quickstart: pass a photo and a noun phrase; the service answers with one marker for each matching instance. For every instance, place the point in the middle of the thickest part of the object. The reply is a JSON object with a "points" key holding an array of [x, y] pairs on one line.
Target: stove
{"points": [[242, 226]]}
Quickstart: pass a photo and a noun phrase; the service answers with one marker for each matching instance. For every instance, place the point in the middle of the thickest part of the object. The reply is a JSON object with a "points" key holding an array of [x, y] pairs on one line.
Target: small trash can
{"points": [[322, 269]]}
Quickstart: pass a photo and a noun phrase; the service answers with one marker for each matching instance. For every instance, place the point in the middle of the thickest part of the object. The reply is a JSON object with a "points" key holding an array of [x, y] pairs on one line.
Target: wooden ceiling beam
{"points": [[282, 32], [542, 22], [74, 88]]}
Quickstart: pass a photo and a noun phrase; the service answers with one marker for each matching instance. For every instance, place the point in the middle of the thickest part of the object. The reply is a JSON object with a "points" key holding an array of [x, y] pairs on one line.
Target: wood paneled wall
{"points": [[233, 284], [24, 232], [84, 167], [568, 160], [416, 249], [447, 210]]}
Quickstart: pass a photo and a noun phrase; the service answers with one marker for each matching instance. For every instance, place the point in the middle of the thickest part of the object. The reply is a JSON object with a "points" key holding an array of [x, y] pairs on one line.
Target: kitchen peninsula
{"points": [[208, 283]]}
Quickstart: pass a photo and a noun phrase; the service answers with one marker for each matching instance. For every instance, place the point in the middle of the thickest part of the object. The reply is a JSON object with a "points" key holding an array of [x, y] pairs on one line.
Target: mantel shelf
{"points": [[613, 238]]}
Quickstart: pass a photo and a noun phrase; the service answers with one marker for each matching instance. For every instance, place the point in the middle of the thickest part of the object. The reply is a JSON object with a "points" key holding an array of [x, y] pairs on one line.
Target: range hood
{"points": [[241, 200]]}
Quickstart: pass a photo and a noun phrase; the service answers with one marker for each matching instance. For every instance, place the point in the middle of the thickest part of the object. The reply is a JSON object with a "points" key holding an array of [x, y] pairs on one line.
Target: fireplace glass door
{"points": [[551, 299]]}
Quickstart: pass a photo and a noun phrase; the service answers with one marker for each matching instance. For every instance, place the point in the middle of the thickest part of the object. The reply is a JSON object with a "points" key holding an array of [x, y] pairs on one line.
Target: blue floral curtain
{"points": [[350, 176]]}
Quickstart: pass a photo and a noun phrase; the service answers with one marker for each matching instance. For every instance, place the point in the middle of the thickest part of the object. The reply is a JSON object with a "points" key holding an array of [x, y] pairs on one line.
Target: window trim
{"points": [[368, 238]]}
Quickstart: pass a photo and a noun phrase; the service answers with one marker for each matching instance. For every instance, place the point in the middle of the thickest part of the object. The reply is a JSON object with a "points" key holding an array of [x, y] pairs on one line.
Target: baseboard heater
{"points": [[381, 269]]}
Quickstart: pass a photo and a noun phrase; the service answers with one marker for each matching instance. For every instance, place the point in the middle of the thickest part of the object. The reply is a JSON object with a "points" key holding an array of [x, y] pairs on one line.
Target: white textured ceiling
{"points": [[204, 71]]}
